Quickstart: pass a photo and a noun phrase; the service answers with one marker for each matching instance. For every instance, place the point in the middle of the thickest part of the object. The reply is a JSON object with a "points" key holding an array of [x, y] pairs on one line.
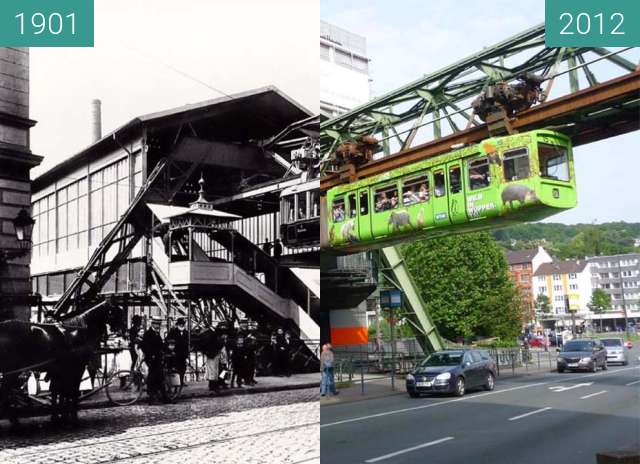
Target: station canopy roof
{"points": [[165, 212], [254, 115]]}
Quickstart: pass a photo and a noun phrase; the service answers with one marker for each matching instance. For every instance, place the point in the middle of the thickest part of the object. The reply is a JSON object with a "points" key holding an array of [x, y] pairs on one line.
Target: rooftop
{"points": [[521, 256], [562, 267]]}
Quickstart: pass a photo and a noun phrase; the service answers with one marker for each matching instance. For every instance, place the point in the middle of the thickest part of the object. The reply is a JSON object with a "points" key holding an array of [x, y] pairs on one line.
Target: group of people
{"points": [[276, 246], [409, 197], [384, 202]]}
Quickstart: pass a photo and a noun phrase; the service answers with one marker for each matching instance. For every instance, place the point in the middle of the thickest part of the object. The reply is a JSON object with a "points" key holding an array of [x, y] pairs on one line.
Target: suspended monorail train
{"points": [[300, 214], [498, 182]]}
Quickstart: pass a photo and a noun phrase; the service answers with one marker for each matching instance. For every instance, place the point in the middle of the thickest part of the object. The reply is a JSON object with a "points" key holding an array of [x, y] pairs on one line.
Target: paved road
{"points": [[550, 418], [279, 427]]}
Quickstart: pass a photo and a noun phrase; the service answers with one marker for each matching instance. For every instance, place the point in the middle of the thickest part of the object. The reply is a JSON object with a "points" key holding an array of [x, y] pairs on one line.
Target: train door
{"points": [[352, 215], [457, 210], [385, 218], [440, 204], [364, 216]]}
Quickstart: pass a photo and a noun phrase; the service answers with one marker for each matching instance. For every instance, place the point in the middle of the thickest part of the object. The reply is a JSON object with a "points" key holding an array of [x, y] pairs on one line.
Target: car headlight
{"points": [[585, 360], [443, 376], [411, 378]]}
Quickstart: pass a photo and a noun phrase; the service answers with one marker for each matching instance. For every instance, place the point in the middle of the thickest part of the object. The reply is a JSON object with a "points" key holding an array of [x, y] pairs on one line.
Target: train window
{"points": [[289, 208], [415, 190], [516, 164], [438, 180], [353, 211], [302, 205], [554, 163], [364, 203], [386, 198], [455, 181], [479, 175], [315, 203], [338, 210]]}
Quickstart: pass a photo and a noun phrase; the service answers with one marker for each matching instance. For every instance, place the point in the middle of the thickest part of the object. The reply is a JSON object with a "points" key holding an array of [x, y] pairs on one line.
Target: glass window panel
{"points": [[364, 203], [352, 205], [137, 162], [96, 181], [123, 168], [72, 217], [455, 180], [137, 179], [62, 196], [123, 197], [338, 210], [72, 191], [554, 163], [386, 198], [415, 190], [83, 213], [516, 164], [62, 225], [438, 180], [52, 224], [96, 208], [479, 175], [110, 203], [302, 205], [82, 240], [82, 186]]}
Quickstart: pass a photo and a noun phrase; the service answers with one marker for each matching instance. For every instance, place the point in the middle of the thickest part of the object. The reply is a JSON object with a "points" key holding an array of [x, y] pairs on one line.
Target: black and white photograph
{"points": [[159, 240]]}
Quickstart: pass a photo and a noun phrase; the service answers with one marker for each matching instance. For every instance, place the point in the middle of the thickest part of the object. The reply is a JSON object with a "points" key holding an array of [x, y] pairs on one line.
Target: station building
{"points": [[522, 266], [212, 152]]}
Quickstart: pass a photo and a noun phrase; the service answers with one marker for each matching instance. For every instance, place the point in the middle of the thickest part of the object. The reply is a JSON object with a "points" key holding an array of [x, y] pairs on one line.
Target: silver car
{"points": [[616, 351]]}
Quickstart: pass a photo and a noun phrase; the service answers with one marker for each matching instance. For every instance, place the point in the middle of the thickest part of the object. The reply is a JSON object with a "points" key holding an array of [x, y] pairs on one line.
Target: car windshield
{"points": [[578, 346], [443, 359], [612, 341]]}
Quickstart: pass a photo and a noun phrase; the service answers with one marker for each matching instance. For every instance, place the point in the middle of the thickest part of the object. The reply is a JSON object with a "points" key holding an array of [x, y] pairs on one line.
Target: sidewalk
{"points": [[376, 386]]}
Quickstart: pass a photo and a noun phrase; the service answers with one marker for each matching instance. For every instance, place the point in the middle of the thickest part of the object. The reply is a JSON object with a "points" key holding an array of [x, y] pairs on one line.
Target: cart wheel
{"points": [[124, 388]]}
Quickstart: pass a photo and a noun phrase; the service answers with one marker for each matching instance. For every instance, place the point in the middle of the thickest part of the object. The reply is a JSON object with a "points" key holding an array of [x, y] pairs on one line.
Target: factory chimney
{"points": [[96, 120]]}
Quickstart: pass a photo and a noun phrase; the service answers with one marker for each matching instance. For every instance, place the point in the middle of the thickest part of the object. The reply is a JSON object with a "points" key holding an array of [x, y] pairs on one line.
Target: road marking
{"points": [[593, 394], [632, 383], [561, 388], [530, 413], [408, 450], [495, 392]]}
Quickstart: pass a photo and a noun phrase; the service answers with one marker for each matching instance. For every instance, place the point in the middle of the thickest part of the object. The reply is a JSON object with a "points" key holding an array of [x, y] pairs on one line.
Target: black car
{"points": [[452, 371], [582, 354]]}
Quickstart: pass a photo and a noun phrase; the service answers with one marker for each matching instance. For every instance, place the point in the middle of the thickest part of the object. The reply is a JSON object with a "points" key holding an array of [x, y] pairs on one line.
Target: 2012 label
{"points": [[582, 24]]}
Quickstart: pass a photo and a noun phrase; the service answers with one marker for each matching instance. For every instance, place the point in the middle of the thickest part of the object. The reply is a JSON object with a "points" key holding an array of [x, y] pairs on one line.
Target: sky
{"points": [[231, 46], [407, 39]]}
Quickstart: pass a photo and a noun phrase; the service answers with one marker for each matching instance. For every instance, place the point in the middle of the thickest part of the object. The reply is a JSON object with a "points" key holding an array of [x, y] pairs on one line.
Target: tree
{"points": [[465, 284], [543, 304], [600, 302]]}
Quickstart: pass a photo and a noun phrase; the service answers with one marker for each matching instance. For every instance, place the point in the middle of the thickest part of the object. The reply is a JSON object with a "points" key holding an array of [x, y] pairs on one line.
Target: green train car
{"points": [[498, 182]]}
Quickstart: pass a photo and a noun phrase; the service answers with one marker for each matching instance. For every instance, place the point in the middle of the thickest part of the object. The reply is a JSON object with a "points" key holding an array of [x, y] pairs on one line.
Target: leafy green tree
{"points": [[543, 304], [600, 302], [465, 284]]}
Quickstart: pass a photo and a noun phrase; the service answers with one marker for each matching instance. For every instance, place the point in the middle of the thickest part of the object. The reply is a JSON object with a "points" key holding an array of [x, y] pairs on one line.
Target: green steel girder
{"points": [[399, 115]]}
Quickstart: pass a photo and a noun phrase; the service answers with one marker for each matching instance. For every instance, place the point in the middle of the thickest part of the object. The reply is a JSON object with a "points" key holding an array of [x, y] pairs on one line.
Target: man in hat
{"points": [[136, 323], [181, 338], [153, 347]]}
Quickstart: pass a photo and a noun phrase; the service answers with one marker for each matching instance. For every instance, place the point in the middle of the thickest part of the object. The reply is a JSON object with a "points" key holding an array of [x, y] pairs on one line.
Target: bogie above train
{"points": [[498, 182]]}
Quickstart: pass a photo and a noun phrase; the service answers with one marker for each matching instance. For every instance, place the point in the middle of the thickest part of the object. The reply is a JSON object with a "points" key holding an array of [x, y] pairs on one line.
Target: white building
{"points": [[344, 70], [561, 281]]}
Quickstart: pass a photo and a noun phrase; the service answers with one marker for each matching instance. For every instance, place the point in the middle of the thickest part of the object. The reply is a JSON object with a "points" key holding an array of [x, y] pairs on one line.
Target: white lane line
{"points": [[593, 394], [495, 392], [530, 413], [632, 383], [408, 450]]}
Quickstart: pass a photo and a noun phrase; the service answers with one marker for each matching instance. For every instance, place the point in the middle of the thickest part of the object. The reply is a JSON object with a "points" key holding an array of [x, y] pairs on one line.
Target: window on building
{"points": [[604, 275], [573, 276], [573, 287], [556, 277], [524, 278], [479, 175], [559, 298], [541, 278], [557, 288], [516, 164], [542, 289], [605, 285], [554, 163]]}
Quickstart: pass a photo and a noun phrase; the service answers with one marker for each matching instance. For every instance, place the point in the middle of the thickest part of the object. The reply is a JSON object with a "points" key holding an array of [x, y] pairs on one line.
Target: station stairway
{"points": [[415, 309]]}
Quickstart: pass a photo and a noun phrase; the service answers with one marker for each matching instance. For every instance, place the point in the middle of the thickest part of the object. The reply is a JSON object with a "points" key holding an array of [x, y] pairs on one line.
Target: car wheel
{"points": [[560, 370], [460, 388], [490, 383], [625, 363], [604, 366], [414, 395]]}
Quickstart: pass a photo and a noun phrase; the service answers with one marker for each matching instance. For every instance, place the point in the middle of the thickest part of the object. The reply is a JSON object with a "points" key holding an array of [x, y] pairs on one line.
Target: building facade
{"points": [[344, 70], [567, 284], [619, 276], [522, 266], [16, 160]]}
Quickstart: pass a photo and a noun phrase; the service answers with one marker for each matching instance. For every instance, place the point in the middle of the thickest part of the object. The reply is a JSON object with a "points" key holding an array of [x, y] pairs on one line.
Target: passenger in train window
{"points": [[382, 202], [394, 200], [409, 197], [423, 193], [338, 213]]}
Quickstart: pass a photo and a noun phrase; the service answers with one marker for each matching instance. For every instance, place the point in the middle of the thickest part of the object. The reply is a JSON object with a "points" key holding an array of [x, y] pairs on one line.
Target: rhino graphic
{"points": [[348, 231], [399, 219], [420, 220], [518, 192]]}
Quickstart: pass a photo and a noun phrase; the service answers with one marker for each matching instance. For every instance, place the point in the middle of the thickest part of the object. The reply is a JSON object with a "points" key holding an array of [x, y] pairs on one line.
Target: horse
{"points": [[61, 349]]}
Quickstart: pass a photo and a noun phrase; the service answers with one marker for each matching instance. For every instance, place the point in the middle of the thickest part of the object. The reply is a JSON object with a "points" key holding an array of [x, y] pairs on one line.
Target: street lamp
{"points": [[23, 226]]}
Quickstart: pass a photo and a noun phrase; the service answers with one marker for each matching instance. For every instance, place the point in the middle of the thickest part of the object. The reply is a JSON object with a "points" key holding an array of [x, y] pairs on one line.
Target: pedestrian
{"points": [[277, 249], [281, 353], [181, 337], [267, 246], [327, 383], [136, 323], [272, 355], [286, 355], [153, 348], [238, 363], [251, 345]]}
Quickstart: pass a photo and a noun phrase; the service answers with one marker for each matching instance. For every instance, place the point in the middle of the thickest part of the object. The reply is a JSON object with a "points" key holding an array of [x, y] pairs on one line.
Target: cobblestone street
{"points": [[278, 427]]}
